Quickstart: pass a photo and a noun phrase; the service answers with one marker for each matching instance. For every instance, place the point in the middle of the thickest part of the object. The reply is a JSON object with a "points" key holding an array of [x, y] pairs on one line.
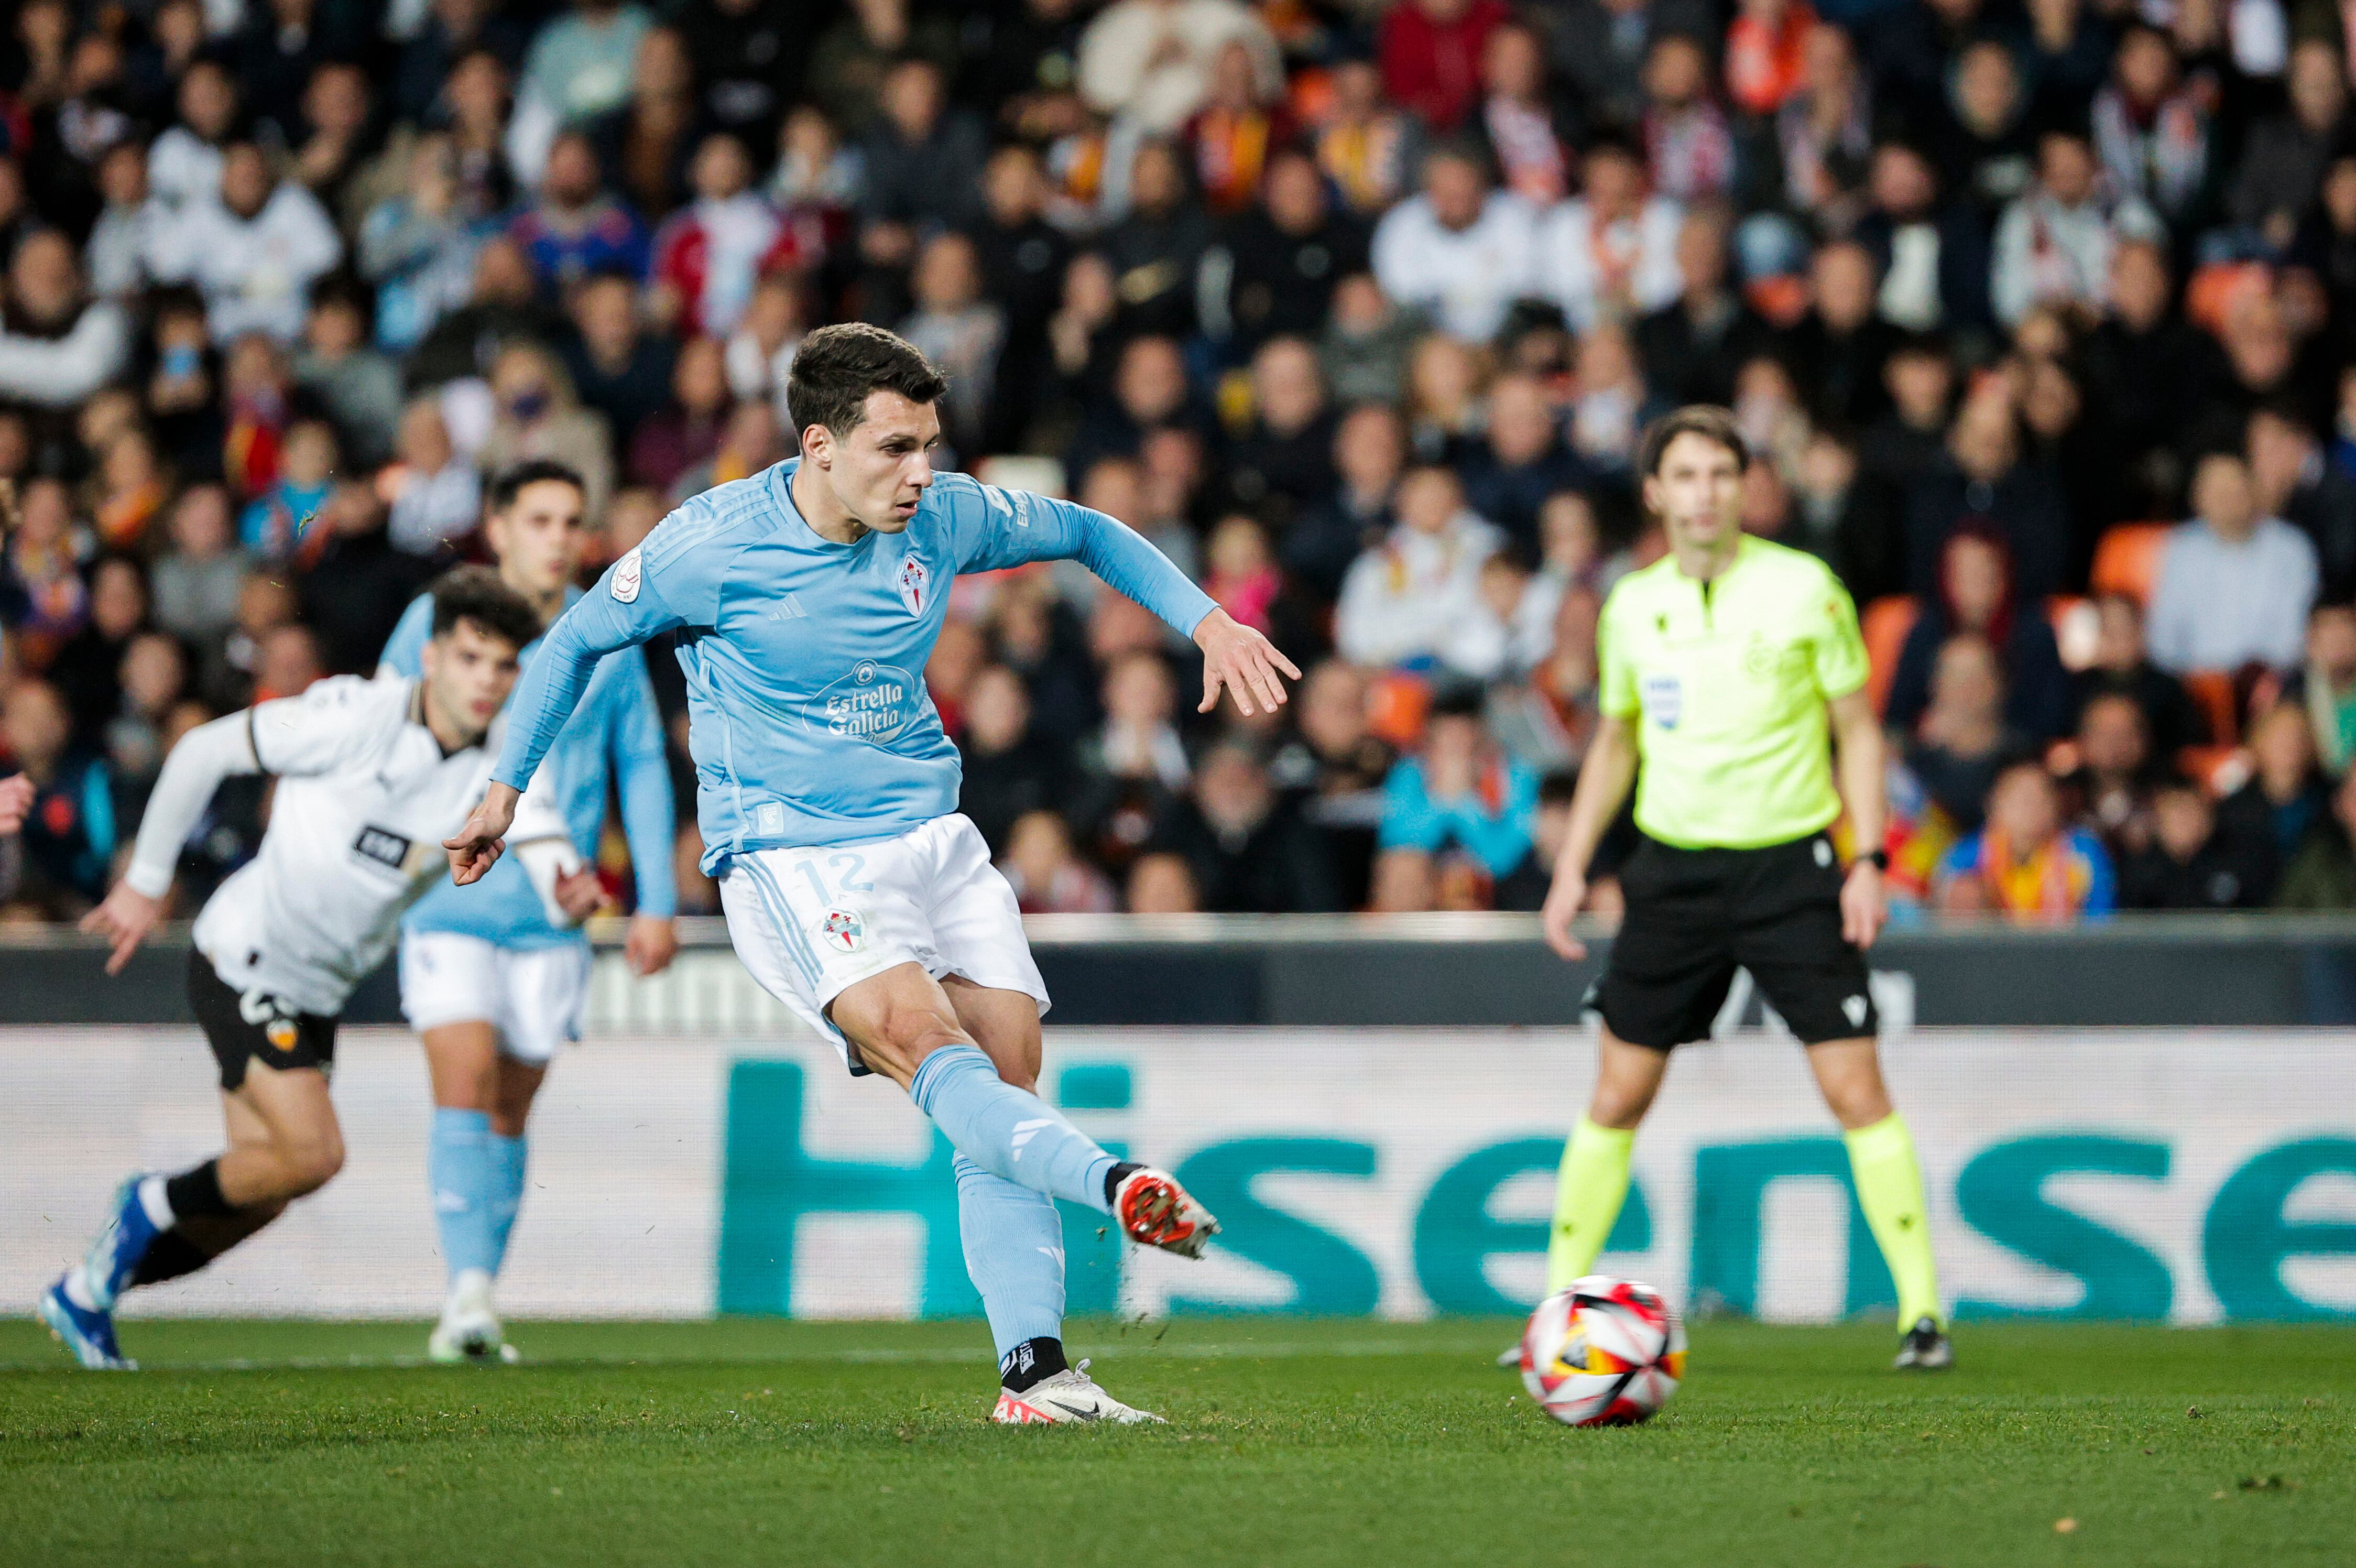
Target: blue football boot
{"points": [[89, 1333]]}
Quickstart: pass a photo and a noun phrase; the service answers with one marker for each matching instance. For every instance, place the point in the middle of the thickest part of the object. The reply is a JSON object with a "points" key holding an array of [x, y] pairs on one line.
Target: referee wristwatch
{"points": [[1878, 858]]}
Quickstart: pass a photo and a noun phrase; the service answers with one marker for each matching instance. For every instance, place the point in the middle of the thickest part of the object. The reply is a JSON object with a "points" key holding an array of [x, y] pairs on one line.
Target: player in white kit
{"points": [[373, 775]]}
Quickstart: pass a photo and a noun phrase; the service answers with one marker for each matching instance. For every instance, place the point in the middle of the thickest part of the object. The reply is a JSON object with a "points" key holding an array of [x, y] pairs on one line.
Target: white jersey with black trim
{"points": [[365, 797]]}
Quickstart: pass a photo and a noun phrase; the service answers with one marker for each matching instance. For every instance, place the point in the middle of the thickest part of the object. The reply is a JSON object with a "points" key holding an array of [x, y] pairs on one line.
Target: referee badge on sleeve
{"points": [[1664, 697]]}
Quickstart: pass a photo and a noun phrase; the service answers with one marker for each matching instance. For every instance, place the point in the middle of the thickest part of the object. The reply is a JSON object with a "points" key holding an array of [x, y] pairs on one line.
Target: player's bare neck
{"points": [[822, 509], [1703, 562]]}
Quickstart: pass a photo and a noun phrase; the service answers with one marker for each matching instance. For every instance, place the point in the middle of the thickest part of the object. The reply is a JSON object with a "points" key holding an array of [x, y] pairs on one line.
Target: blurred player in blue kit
{"points": [[493, 987], [807, 599]]}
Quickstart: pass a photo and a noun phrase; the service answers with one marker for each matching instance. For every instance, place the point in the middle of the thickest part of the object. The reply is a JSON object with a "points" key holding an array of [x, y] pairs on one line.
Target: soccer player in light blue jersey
{"points": [[807, 599], [491, 983]]}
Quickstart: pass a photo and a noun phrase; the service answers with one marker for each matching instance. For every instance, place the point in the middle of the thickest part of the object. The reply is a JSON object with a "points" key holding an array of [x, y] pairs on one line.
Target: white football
{"points": [[1605, 1352]]}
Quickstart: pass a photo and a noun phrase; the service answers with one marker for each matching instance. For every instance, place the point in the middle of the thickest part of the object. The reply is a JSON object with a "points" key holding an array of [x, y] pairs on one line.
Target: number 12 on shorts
{"points": [[846, 867]]}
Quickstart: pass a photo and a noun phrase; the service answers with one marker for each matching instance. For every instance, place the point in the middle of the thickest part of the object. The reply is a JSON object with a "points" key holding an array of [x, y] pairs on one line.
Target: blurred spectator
{"points": [[1148, 61], [575, 229], [1432, 53], [2027, 864], [1823, 120], [2295, 482], [2265, 818], [2326, 687], [86, 668], [1022, 257], [1689, 153], [645, 148], [961, 332], [1459, 252], [1158, 244], [1611, 250], [357, 584], [1990, 138], [252, 252], [1133, 762], [437, 497], [579, 66], [2234, 585], [1547, 720], [124, 237], [1961, 741], [2322, 871], [1526, 887], [1689, 347], [286, 662], [1983, 481], [2148, 371], [760, 356], [1369, 449], [2110, 790], [1525, 459], [418, 247], [1228, 138], [923, 166], [196, 581], [536, 414], [1010, 770], [2054, 244], [1366, 148], [1404, 600], [620, 369], [2283, 159], [1600, 46], [69, 832], [1245, 847], [1367, 341], [1337, 769], [707, 254], [1160, 883], [56, 346], [2122, 665], [1521, 126], [1047, 877], [183, 167], [1932, 250], [1283, 463], [1976, 595], [2154, 131], [359, 386], [277, 525], [1459, 792], [1285, 256], [154, 678], [2187, 865]]}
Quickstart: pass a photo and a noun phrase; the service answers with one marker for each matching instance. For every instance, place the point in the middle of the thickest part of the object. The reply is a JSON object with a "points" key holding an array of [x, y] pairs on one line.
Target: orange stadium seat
{"points": [[2127, 559], [1885, 624], [2212, 693]]}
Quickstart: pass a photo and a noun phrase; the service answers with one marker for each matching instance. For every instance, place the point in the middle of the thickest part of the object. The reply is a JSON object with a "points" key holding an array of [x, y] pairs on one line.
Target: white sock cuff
{"points": [[158, 1205]]}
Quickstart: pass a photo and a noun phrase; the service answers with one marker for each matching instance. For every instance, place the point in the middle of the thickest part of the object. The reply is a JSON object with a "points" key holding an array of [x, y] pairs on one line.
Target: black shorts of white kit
{"points": [[254, 1027], [1696, 915]]}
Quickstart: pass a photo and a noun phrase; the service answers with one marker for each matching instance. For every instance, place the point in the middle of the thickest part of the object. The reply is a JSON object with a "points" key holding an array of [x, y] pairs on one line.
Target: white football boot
{"points": [[1069, 1396], [469, 1329]]}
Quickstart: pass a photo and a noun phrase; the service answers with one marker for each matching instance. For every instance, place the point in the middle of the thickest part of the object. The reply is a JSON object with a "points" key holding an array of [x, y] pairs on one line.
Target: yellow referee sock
{"points": [[1590, 1186], [1890, 1187]]}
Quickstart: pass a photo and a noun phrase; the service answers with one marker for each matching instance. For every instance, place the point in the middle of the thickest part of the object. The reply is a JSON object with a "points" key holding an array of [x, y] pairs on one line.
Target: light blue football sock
{"points": [[1009, 1132], [1014, 1251], [509, 1158], [458, 1169]]}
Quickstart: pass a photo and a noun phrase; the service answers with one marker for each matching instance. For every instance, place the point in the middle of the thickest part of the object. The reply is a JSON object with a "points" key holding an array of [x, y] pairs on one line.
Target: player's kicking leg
{"points": [[284, 1142], [1890, 1189], [1016, 1156]]}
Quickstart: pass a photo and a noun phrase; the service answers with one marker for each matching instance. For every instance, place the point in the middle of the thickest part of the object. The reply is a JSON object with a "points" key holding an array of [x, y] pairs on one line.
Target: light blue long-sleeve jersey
{"points": [[615, 734], [805, 658]]}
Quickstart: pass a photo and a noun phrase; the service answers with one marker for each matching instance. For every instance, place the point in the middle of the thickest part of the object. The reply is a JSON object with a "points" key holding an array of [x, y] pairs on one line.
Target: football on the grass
{"points": [[1605, 1352]]}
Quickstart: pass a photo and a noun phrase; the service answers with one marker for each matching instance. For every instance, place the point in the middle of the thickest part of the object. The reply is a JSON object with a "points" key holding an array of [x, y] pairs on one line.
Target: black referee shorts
{"points": [[250, 1028], [1696, 915]]}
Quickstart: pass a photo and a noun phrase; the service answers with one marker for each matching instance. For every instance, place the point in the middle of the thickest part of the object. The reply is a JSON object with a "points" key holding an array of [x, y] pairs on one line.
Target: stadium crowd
{"points": [[2037, 316]]}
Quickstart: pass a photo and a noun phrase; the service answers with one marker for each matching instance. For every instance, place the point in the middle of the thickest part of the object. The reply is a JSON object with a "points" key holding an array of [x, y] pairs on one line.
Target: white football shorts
{"points": [[811, 923], [533, 996]]}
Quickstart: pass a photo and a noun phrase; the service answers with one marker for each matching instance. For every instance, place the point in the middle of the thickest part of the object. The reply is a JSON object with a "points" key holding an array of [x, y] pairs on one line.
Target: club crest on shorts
{"points": [[916, 577], [842, 931]]}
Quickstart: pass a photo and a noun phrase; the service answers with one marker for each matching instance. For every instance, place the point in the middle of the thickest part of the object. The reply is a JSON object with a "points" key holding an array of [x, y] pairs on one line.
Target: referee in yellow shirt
{"points": [[1730, 670]]}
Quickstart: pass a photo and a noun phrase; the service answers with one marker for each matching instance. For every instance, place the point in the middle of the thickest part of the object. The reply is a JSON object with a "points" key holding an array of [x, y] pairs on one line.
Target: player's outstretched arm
{"points": [[1604, 780], [1242, 661], [16, 799], [204, 756]]}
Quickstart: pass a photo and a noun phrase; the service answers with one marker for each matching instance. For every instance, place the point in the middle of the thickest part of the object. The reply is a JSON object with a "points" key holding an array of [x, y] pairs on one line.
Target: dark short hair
{"points": [[1705, 420], [477, 594], [510, 481], [836, 367]]}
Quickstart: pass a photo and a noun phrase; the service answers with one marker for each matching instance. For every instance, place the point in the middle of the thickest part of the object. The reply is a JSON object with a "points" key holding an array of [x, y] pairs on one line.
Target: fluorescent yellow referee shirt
{"points": [[1724, 685]]}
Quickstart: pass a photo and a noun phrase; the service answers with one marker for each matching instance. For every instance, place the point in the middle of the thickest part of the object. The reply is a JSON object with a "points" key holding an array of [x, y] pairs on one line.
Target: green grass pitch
{"points": [[1290, 1441]]}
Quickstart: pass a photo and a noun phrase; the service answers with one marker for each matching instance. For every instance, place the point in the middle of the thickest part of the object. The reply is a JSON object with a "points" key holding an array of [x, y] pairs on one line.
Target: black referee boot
{"points": [[1925, 1348]]}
